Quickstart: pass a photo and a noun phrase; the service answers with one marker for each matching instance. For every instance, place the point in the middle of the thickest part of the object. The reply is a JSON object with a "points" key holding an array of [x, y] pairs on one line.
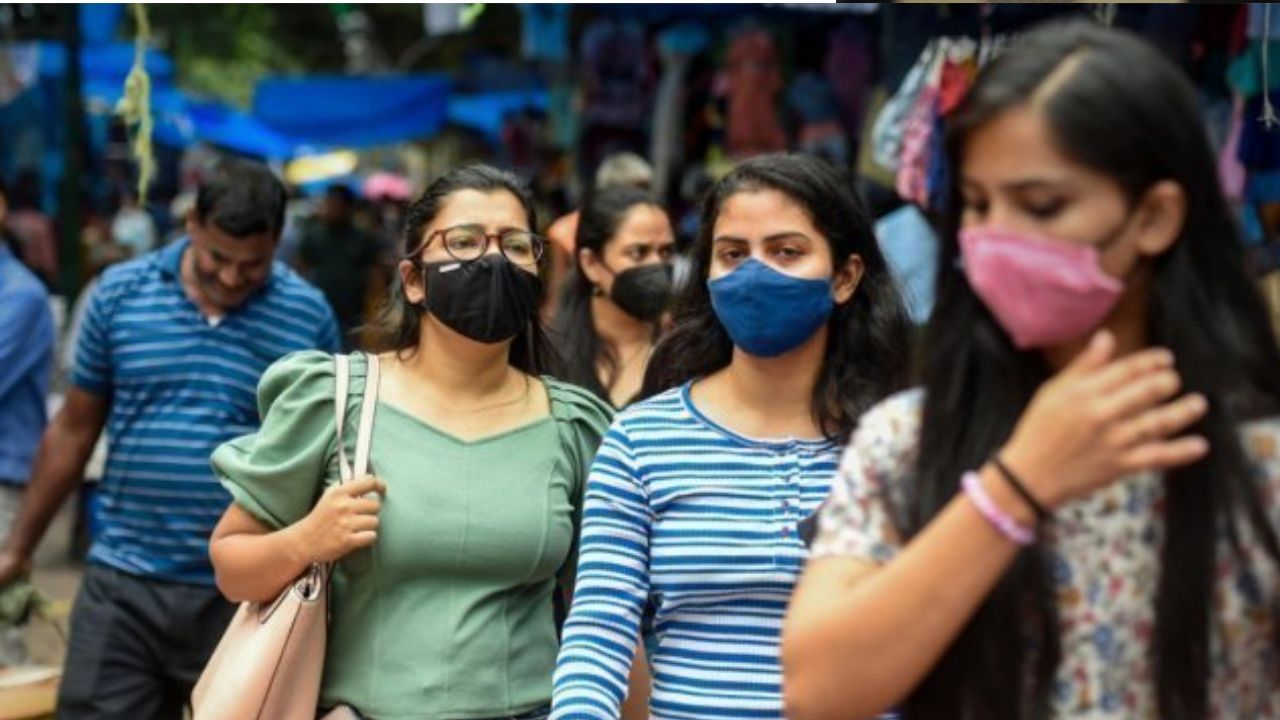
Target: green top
{"points": [[450, 614]]}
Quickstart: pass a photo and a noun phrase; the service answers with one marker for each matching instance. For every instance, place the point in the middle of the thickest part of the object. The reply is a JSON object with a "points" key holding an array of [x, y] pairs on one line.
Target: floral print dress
{"points": [[1105, 551]]}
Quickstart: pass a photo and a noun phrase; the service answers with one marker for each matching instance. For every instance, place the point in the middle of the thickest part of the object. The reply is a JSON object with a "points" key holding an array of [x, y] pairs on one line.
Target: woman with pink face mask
{"points": [[1075, 516]]}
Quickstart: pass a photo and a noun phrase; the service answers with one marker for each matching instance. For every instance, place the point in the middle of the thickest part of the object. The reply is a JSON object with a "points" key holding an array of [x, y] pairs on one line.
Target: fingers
{"points": [[361, 523], [1135, 397], [1120, 373], [364, 486], [1094, 356], [353, 532], [1164, 455], [1162, 422]]}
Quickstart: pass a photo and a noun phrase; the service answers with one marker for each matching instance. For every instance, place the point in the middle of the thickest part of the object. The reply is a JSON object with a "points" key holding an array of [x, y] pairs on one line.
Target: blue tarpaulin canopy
{"points": [[485, 112], [353, 111], [99, 21], [181, 118], [224, 125], [108, 63]]}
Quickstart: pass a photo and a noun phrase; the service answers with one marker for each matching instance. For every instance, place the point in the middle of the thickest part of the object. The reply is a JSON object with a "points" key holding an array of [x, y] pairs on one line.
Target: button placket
{"points": [[790, 501]]}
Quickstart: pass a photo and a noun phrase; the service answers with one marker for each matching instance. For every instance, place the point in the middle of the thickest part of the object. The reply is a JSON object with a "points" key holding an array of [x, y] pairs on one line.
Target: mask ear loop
{"points": [[422, 306], [596, 290], [415, 258]]}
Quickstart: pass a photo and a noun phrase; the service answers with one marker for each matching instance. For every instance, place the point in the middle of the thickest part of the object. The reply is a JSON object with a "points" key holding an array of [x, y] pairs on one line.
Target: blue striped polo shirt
{"points": [[702, 523], [179, 386]]}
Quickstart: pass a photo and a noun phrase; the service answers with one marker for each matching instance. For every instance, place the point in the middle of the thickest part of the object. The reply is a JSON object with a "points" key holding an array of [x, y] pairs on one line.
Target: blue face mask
{"points": [[768, 313]]}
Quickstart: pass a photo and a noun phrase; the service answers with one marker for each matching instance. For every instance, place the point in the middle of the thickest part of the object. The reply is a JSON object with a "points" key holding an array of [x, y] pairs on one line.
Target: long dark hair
{"points": [[1124, 110], [399, 326], [868, 345], [575, 332]]}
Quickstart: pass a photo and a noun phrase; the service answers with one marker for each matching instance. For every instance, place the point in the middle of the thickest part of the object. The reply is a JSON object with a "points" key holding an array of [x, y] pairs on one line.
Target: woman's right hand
{"points": [[345, 519], [1099, 419]]}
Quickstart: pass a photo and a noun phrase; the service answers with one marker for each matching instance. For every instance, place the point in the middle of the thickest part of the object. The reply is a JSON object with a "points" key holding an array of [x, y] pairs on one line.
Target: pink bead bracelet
{"points": [[1002, 521]]}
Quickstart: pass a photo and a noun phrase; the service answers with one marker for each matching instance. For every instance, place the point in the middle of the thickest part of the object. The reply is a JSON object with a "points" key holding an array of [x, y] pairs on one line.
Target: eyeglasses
{"points": [[470, 242]]}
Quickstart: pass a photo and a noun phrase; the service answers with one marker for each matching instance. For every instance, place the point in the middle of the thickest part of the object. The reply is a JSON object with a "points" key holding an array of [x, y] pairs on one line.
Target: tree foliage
{"points": [[223, 49]]}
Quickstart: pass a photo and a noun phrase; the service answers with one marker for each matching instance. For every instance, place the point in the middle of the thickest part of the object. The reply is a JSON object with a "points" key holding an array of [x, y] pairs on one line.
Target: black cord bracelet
{"points": [[1042, 514]]}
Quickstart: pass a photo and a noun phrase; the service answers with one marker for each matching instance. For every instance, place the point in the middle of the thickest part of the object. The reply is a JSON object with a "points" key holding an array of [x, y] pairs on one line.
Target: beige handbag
{"points": [[270, 660]]}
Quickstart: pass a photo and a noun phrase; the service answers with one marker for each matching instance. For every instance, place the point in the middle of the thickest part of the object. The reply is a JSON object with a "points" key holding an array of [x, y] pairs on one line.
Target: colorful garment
{"points": [[755, 79], [1105, 555]]}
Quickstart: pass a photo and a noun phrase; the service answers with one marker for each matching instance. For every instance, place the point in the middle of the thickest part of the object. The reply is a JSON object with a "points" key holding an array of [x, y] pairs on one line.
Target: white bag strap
{"points": [[369, 405], [364, 437], [342, 372]]}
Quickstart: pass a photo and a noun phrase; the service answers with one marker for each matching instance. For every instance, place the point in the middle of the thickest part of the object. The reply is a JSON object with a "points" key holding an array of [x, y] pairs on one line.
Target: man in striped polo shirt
{"points": [[168, 360]]}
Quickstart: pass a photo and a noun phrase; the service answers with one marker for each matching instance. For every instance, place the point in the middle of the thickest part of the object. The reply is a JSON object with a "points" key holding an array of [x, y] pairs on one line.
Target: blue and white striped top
{"points": [[179, 386], [701, 522]]}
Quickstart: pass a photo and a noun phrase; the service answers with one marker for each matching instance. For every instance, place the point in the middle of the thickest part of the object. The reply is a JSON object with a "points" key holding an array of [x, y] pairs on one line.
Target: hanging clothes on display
{"points": [[1258, 21], [754, 80], [618, 74], [821, 132], [1244, 75], [907, 135], [545, 41], [959, 69], [545, 32], [677, 48], [1231, 171], [867, 166], [947, 77], [890, 124], [910, 247], [850, 69], [1258, 149], [917, 134], [617, 84]]}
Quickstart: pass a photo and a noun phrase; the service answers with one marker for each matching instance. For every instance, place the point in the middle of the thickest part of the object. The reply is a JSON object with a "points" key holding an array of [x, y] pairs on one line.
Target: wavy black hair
{"points": [[574, 328], [399, 326], [1124, 110], [868, 346]]}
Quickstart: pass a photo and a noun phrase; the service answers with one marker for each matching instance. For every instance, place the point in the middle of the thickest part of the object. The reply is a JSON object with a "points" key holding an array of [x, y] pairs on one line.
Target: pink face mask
{"points": [[1043, 292]]}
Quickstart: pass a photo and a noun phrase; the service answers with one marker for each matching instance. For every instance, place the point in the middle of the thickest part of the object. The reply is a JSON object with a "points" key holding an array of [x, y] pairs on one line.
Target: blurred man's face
{"points": [[336, 210], [228, 269]]}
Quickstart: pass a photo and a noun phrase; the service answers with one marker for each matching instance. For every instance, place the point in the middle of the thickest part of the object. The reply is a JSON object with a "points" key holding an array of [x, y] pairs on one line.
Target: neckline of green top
{"points": [[482, 440]]}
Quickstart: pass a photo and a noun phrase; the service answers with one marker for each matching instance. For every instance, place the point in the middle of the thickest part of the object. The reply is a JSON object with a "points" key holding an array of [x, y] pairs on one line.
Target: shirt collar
{"points": [[171, 257]]}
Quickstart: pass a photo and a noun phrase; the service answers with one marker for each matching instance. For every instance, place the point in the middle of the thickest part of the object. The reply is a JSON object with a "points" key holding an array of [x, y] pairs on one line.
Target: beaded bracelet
{"points": [[1002, 521]]}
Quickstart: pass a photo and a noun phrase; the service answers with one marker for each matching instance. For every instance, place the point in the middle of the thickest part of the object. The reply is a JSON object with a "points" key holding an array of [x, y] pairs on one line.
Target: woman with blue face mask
{"points": [[695, 504], [1076, 516]]}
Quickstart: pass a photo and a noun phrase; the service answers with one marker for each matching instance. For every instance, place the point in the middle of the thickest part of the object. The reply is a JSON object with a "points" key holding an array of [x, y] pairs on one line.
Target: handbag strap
{"points": [[368, 406], [342, 372]]}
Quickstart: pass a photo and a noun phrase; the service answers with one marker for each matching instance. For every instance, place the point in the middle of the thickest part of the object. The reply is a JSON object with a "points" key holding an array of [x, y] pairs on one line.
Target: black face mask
{"points": [[643, 292], [488, 300]]}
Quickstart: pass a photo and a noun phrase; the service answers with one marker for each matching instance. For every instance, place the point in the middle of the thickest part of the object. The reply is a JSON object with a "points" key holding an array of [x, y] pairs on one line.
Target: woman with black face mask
{"points": [[610, 311], [1076, 516], [449, 559], [697, 499]]}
